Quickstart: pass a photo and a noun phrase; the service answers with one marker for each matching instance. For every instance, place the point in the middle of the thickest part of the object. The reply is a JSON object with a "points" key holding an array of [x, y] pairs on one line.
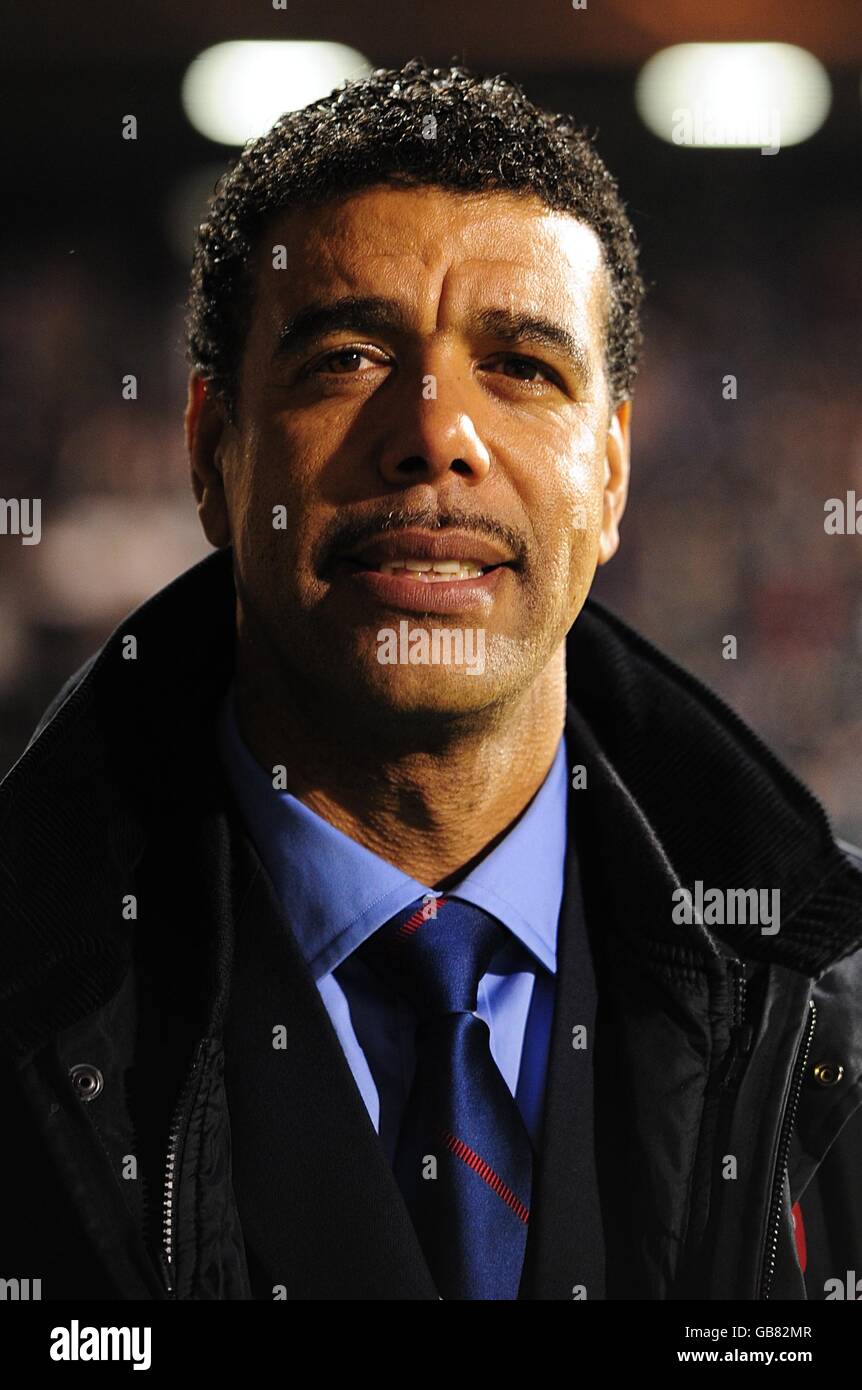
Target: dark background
{"points": [[754, 269]]}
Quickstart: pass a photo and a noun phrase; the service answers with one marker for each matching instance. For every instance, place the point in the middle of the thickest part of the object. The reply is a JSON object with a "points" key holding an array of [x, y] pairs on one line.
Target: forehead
{"points": [[428, 244]]}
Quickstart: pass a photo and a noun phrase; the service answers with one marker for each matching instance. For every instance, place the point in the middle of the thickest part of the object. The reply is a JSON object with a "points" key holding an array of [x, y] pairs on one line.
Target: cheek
{"points": [[584, 510], [565, 507], [268, 497], [566, 503]]}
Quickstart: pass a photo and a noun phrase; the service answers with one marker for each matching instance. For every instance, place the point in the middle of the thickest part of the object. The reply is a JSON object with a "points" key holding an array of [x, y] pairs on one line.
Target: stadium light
{"points": [[235, 91], [733, 95]]}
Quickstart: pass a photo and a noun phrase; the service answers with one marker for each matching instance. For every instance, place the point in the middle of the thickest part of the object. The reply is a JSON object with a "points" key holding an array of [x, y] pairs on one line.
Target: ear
{"points": [[616, 486], [206, 423]]}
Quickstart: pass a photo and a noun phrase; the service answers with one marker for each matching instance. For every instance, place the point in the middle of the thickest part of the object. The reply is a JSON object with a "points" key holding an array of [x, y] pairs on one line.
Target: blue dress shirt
{"points": [[335, 893]]}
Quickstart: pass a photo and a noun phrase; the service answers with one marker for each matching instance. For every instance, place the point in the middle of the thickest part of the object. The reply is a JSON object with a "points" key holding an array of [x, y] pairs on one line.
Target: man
{"points": [[384, 919]]}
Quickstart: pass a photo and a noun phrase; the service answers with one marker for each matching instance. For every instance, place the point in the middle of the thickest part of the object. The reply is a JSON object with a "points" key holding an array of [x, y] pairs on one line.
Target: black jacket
{"points": [[125, 875]]}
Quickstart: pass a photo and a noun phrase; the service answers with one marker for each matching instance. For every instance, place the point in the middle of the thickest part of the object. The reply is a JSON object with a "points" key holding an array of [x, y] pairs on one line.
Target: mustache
{"points": [[341, 536]]}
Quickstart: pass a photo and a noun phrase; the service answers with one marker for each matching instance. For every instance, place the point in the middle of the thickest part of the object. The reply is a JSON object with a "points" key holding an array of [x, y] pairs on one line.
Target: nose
{"points": [[430, 436]]}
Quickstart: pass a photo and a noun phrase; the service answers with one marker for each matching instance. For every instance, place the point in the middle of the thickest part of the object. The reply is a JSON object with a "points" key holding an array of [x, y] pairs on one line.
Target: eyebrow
{"points": [[377, 314], [513, 327], [368, 314]]}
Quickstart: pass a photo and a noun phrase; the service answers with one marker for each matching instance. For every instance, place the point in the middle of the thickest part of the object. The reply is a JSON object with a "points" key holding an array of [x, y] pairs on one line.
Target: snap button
{"points": [[828, 1073], [87, 1080]]}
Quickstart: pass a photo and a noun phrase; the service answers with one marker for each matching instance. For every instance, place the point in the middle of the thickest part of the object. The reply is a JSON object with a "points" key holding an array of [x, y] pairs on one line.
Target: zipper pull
{"points": [[741, 1039], [167, 1275]]}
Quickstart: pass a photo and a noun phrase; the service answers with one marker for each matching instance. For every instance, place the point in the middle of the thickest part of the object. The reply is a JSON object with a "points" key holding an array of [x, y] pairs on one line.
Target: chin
{"points": [[432, 691], [405, 700]]}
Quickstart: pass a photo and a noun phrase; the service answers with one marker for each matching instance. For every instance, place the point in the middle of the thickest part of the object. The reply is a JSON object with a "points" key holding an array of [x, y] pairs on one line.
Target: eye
{"points": [[525, 369], [346, 361]]}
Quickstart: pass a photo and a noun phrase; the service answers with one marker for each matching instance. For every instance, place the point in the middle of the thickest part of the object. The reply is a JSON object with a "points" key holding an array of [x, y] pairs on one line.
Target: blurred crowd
{"points": [[724, 533]]}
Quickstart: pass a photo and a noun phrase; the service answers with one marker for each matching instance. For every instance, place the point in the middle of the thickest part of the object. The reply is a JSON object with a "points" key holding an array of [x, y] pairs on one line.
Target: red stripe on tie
{"points": [[422, 914], [799, 1235], [487, 1174]]}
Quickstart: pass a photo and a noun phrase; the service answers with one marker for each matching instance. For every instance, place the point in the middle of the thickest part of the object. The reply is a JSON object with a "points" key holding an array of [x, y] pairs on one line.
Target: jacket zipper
{"points": [[777, 1196], [740, 1038], [740, 993], [169, 1198], [742, 1033]]}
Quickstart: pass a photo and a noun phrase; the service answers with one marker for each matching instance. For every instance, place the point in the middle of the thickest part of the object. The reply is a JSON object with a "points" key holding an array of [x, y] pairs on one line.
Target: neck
{"points": [[431, 811]]}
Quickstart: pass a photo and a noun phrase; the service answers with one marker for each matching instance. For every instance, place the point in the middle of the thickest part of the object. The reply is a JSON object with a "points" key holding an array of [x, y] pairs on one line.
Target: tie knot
{"points": [[435, 953]]}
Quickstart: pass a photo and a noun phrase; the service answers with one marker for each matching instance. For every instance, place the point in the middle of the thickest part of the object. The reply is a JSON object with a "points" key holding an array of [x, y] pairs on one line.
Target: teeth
{"points": [[433, 571]]}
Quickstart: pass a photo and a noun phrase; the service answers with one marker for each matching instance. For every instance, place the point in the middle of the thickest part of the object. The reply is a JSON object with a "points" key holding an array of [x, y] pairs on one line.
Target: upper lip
{"points": [[430, 545]]}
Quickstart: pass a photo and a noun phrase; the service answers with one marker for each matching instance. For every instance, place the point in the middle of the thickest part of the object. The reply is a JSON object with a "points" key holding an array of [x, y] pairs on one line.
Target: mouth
{"points": [[424, 570], [428, 570], [429, 557]]}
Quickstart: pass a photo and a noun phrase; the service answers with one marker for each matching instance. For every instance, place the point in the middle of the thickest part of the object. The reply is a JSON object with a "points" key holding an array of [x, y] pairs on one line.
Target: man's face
{"points": [[423, 382]]}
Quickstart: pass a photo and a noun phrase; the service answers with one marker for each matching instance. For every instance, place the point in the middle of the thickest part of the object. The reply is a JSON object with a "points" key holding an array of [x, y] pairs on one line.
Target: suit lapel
{"points": [[322, 1215], [564, 1257]]}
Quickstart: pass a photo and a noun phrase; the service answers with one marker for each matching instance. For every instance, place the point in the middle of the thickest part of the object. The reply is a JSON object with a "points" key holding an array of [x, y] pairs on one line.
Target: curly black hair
{"points": [[446, 127]]}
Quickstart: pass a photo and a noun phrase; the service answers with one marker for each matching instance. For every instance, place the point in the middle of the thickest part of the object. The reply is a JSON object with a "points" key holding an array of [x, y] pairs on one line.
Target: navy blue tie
{"points": [[464, 1160]]}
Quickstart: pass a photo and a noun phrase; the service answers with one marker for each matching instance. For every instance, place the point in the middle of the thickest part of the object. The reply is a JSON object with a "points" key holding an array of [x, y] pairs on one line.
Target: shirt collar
{"points": [[335, 892]]}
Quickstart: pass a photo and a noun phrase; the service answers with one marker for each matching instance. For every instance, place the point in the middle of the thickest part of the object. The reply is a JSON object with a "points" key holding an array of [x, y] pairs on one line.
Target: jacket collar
{"points": [[684, 777], [687, 792]]}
